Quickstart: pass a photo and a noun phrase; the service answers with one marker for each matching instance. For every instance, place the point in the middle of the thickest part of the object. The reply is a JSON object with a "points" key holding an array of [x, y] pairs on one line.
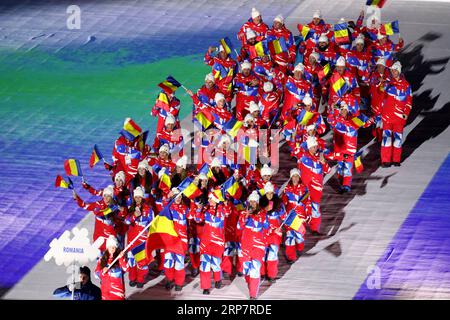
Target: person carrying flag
{"points": [[140, 214], [349, 85], [246, 86], [212, 242], [112, 279], [345, 136], [378, 79], [397, 105], [196, 228], [173, 138], [247, 52], [313, 166], [253, 224], [166, 104], [162, 161], [256, 24], [174, 262], [285, 59], [318, 74], [205, 96], [105, 211], [386, 49], [122, 194], [269, 103], [224, 69], [274, 208], [297, 86], [358, 60], [329, 51], [316, 28]]}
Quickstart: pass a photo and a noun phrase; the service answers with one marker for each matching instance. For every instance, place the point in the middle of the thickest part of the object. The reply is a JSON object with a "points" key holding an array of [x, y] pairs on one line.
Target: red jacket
{"points": [[260, 30], [397, 101], [253, 242], [224, 71], [377, 90], [212, 240], [112, 282]]}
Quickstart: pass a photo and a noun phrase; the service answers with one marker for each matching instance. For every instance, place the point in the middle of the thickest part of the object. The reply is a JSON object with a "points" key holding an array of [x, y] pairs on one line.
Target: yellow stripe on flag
{"points": [[388, 29], [338, 84], [234, 131], [296, 223], [170, 85], [306, 118], [128, 127], [358, 162], [190, 190], [341, 34], [140, 256], [162, 224], [203, 120], [305, 31], [357, 121], [163, 98], [73, 167]]}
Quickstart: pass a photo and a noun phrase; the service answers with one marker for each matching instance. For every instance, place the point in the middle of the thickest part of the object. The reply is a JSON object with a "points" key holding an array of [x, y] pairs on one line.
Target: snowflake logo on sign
{"points": [[66, 250]]}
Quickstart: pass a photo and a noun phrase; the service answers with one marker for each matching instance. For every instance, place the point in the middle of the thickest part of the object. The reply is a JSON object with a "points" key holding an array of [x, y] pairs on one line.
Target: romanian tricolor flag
{"points": [[358, 163], [341, 33], [304, 30], [165, 184], [227, 45], [376, 3], [162, 234], [324, 71], [294, 222], [277, 46], [108, 210], [189, 188], [72, 167], [390, 28], [339, 85], [140, 254], [206, 170], [360, 120], [96, 156], [304, 197], [304, 117], [232, 187], [162, 101], [250, 152], [130, 129], [170, 85], [205, 119], [219, 194], [232, 127], [61, 183], [260, 49]]}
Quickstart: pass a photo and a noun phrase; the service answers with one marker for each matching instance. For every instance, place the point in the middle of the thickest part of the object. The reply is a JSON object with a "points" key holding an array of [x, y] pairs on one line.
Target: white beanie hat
{"points": [[164, 148], [266, 170], [108, 191], [311, 142], [182, 162], [202, 176], [253, 107], [299, 67], [246, 65], [209, 77], [340, 62], [138, 192], [268, 86], [342, 20], [216, 163], [310, 127], [279, 18], [143, 164], [317, 14], [359, 40], [176, 192], [255, 13], [294, 172], [254, 196], [323, 38], [170, 119], [315, 55], [120, 176], [381, 61], [248, 118], [307, 100], [221, 48], [397, 66], [219, 96], [269, 187], [344, 105], [112, 242], [249, 34]]}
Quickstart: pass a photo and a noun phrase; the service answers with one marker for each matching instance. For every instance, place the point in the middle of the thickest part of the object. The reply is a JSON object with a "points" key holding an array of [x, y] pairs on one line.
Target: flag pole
{"points": [[130, 244]]}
